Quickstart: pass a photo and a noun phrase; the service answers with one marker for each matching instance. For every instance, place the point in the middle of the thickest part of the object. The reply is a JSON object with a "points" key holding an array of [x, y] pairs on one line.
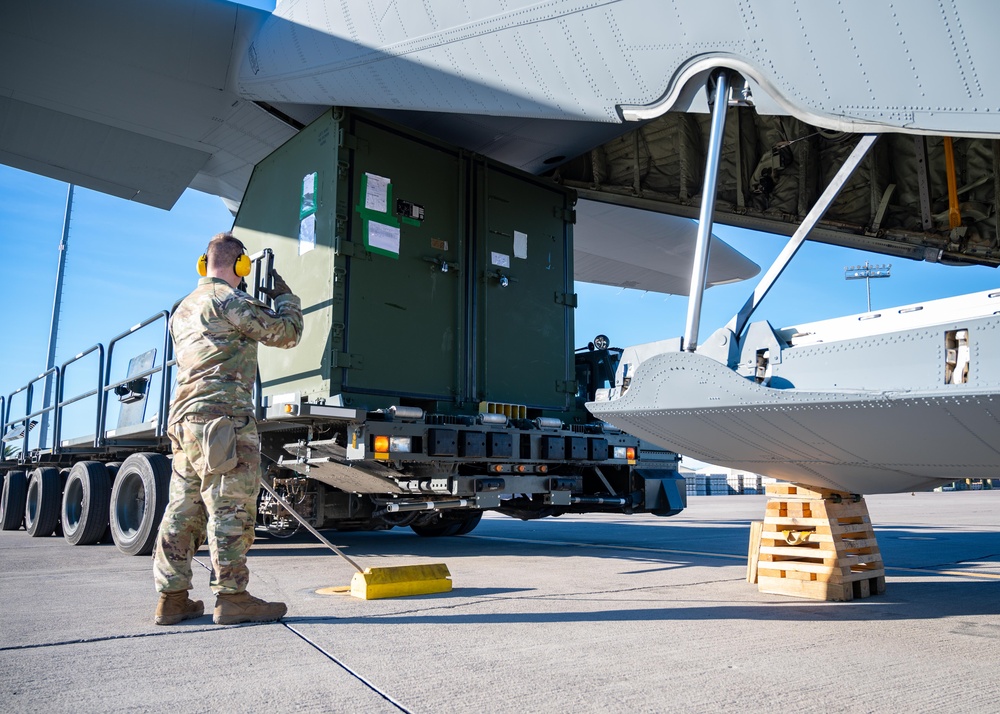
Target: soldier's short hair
{"points": [[223, 250]]}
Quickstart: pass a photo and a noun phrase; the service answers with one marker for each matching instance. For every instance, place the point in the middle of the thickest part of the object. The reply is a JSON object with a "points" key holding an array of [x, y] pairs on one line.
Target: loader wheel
{"points": [[42, 506], [449, 526], [15, 489], [470, 523], [86, 503], [138, 499], [112, 467]]}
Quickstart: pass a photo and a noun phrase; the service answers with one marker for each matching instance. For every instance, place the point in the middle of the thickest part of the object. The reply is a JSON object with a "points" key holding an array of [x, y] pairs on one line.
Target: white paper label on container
{"points": [[520, 245], [501, 260], [308, 203], [383, 236], [376, 193], [307, 234]]}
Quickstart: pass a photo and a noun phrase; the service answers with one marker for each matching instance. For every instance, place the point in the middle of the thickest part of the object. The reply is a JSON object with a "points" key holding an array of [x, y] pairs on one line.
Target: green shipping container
{"points": [[429, 276]]}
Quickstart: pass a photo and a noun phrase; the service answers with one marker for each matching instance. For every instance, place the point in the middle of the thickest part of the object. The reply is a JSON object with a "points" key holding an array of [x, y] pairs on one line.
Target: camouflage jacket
{"points": [[215, 331]]}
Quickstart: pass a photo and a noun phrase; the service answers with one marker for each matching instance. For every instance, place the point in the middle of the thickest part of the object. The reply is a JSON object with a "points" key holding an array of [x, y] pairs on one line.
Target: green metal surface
{"points": [[401, 292], [403, 310], [269, 217], [525, 328]]}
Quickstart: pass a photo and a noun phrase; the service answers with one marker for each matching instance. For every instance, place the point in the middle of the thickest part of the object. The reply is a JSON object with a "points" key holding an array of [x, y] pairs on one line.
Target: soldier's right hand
{"points": [[278, 286]]}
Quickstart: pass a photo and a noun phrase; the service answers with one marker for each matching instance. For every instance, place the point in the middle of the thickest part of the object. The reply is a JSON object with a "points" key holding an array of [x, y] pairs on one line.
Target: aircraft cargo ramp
{"points": [[898, 400]]}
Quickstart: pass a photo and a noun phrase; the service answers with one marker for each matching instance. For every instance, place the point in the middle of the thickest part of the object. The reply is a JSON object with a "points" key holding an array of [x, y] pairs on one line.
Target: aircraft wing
{"points": [[133, 99]]}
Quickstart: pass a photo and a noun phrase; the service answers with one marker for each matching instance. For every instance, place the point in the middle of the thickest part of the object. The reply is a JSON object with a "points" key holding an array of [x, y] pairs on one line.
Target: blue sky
{"points": [[126, 261]]}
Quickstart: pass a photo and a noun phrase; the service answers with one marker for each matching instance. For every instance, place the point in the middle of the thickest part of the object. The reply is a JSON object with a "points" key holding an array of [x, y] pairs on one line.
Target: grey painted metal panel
{"points": [[858, 442], [928, 66], [530, 84], [867, 414]]}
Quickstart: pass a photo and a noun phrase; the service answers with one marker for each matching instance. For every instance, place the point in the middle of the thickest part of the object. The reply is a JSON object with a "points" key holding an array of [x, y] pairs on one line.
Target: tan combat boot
{"points": [[233, 608], [176, 606]]}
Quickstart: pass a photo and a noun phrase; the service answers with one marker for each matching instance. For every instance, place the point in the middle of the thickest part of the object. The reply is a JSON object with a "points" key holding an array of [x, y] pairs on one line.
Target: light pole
{"points": [[868, 271], [50, 359]]}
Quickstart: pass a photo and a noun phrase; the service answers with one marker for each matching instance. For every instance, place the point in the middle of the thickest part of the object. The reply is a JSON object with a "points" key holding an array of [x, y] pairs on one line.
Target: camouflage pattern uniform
{"points": [[215, 332]]}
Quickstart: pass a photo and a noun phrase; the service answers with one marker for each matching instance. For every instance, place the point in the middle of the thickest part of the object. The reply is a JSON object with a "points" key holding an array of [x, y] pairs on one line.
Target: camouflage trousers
{"points": [[221, 506]]}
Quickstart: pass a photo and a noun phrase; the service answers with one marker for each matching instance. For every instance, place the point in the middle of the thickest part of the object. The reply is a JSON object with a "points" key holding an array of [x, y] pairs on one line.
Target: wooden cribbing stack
{"points": [[815, 543]]}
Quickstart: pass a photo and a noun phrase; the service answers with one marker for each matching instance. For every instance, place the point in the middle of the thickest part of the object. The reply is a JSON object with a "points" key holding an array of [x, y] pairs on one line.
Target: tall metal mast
{"points": [[54, 325]]}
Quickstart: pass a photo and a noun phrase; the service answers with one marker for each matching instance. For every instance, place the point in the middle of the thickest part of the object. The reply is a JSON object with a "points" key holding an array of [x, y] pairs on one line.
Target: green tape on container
{"points": [[379, 226]]}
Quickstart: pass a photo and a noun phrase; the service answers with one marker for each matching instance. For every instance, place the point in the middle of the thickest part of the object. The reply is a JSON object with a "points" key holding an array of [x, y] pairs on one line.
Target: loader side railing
{"points": [[110, 386], [263, 262], [62, 402]]}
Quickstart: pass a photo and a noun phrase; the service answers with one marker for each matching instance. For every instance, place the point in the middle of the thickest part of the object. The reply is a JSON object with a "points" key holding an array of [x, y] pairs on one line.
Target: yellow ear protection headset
{"points": [[241, 267]]}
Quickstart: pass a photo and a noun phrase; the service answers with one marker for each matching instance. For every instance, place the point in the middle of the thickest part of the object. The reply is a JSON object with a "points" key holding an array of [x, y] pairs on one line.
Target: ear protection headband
{"points": [[241, 267]]}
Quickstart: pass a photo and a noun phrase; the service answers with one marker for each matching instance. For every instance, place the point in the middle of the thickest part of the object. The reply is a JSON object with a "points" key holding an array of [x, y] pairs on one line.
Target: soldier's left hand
{"points": [[278, 286]]}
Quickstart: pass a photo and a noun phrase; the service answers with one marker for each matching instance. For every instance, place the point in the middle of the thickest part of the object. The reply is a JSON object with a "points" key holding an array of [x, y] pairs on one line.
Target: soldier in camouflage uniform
{"points": [[213, 435]]}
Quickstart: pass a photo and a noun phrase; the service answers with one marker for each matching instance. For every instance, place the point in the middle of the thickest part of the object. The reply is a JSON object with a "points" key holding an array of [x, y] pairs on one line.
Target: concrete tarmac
{"points": [[575, 614]]}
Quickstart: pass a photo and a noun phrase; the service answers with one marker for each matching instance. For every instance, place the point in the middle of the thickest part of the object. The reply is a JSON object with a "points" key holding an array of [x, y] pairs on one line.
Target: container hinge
{"points": [[347, 361], [349, 248], [567, 299], [348, 141], [565, 214], [567, 386]]}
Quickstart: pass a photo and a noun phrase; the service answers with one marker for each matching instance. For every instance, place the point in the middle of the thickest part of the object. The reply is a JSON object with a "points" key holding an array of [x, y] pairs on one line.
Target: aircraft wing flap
{"points": [[95, 155], [643, 250]]}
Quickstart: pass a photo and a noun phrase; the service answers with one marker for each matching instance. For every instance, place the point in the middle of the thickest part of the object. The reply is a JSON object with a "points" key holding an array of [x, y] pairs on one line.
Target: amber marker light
{"points": [[381, 443]]}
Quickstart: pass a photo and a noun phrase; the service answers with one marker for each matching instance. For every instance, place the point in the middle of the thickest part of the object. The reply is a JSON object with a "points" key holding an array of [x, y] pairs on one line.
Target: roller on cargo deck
{"points": [[381, 582]]}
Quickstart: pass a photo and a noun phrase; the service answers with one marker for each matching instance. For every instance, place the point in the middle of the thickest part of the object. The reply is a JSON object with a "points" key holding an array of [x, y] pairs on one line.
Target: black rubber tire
{"points": [[449, 526], [86, 503], [44, 502], [112, 467], [138, 500], [470, 523], [441, 529], [15, 491]]}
